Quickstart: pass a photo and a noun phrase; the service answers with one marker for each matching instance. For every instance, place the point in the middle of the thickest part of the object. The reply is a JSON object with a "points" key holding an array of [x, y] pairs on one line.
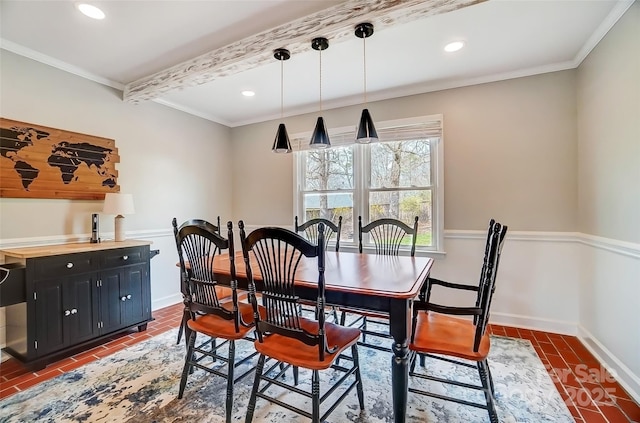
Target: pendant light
{"points": [[366, 129], [320, 137], [281, 144]]}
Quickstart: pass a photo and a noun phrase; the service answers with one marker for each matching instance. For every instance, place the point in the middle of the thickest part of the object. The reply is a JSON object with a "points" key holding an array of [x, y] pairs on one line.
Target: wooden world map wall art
{"points": [[41, 162]]}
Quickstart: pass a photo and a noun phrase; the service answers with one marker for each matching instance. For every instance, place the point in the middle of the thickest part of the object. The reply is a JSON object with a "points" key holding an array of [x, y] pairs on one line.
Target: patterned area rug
{"points": [[140, 384]]}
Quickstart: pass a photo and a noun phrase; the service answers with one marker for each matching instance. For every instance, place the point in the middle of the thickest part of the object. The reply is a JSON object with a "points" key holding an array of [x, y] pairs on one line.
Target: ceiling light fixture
{"points": [[248, 93], [90, 11], [454, 46], [320, 137], [366, 129], [281, 144]]}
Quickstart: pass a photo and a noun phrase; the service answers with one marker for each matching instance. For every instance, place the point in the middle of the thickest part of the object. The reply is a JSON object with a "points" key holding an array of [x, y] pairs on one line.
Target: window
{"points": [[399, 177]]}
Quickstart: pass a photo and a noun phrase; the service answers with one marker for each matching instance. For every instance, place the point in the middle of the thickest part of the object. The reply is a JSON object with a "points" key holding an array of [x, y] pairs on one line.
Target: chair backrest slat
{"points": [[278, 253], [387, 235]]}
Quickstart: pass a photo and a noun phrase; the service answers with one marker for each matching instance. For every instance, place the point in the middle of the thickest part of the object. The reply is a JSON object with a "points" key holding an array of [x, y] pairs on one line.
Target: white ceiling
{"points": [[504, 39]]}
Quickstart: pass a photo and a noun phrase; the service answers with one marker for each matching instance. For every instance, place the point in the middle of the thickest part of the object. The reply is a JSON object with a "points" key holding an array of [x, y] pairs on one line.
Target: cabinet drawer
{"points": [[123, 256], [60, 266]]}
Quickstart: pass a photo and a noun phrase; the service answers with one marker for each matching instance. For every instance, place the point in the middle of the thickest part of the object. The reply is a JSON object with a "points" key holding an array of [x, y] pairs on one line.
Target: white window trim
{"points": [[360, 159]]}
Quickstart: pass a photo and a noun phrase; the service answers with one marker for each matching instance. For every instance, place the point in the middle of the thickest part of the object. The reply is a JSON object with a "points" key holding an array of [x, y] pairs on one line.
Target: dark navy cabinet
{"points": [[77, 295]]}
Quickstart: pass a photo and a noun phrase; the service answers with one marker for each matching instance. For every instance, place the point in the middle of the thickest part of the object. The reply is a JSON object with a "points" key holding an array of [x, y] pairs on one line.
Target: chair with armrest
{"points": [[439, 333], [222, 291], [309, 230], [272, 256], [387, 236], [229, 320]]}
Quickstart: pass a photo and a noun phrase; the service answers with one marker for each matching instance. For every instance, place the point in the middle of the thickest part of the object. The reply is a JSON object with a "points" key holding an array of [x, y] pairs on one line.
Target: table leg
{"points": [[399, 328]]}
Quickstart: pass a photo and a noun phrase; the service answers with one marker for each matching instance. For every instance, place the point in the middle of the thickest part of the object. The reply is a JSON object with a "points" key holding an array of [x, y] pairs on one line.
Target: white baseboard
{"points": [[629, 381], [534, 323], [166, 301]]}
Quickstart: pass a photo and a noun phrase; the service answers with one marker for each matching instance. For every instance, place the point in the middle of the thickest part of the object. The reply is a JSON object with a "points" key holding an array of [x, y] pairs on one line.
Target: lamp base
{"points": [[119, 228]]}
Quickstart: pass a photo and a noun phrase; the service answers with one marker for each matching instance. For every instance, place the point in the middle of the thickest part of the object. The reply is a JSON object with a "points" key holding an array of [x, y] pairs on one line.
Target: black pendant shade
{"points": [[366, 129], [320, 137], [281, 144]]}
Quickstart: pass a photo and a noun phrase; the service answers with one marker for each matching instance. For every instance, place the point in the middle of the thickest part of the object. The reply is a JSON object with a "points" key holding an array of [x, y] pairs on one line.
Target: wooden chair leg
{"points": [[230, 377], [315, 397], [412, 362], [493, 391], [180, 330], [356, 362], [254, 392], [483, 369], [187, 364]]}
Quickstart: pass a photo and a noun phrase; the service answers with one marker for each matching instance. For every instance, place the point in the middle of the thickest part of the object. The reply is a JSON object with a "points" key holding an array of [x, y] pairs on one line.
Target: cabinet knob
{"points": [[129, 297], [123, 298], [125, 257], [67, 312], [69, 265], [74, 311]]}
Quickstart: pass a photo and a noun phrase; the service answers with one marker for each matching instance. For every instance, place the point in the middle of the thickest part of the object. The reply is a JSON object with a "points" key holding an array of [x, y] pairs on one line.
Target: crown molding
{"points": [[59, 64], [616, 13]]}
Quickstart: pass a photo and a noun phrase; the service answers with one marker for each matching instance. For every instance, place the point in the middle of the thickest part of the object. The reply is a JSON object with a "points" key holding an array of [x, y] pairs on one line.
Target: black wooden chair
{"points": [[273, 256], [221, 291], [228, 320], [387, 236], [436, 329], [309, 230]]}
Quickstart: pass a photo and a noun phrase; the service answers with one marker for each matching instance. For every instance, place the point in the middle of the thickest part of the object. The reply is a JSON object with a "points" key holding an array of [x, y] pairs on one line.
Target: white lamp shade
{"points": [[118, 204]]}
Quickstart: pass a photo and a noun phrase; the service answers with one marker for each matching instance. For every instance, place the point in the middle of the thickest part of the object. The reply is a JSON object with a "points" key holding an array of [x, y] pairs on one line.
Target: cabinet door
{"points": [[80, 297], [64, 312], [49, 306], [110, 303], [135, 290]]}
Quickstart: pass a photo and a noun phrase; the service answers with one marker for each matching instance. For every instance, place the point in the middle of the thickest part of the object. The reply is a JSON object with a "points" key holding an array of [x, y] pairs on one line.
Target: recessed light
{"points": [[248, 93], [90, 11], [454, 46]]}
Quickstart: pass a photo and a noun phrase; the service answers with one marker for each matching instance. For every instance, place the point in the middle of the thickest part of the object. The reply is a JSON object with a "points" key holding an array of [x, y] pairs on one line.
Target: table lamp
{"points": [[118, 204]]}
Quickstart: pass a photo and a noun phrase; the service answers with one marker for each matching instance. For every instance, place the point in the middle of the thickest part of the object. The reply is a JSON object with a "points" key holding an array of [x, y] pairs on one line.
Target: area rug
{"points": [[140, 384]]}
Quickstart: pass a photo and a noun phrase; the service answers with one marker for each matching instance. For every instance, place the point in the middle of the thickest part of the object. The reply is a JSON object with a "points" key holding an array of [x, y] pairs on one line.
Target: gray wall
{"points": [[174, 164], [509, 148], [608, 101]]}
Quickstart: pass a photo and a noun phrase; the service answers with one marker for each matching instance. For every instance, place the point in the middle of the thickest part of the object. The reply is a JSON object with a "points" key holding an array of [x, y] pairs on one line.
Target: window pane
{"points": [[329, 169], [401, 164], [331, 206], [404, 206]]}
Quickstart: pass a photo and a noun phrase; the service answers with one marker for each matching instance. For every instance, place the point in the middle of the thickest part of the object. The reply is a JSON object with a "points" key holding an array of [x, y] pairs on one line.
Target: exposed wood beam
{"points": [[334, 23]]}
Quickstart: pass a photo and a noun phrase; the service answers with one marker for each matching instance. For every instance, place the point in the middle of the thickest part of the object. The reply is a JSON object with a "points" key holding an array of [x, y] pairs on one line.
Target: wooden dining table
{"points": [[365, 281]]}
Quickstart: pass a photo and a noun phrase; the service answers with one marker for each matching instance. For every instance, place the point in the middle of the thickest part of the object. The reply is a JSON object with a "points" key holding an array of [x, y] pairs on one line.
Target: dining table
{"points": [[370, 282]]}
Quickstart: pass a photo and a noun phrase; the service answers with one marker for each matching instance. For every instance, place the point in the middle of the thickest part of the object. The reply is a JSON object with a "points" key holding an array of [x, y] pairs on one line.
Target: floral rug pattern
{"points": [[140, 384]]}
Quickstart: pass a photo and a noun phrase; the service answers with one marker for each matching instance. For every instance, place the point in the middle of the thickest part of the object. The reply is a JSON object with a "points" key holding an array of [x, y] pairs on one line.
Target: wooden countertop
{"points": [[78, 247]]}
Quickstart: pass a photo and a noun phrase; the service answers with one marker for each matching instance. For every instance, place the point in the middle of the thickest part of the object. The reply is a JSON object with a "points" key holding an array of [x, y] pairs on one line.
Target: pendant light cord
{"points": [[364, 65], [320, 79], [281, 89]]}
